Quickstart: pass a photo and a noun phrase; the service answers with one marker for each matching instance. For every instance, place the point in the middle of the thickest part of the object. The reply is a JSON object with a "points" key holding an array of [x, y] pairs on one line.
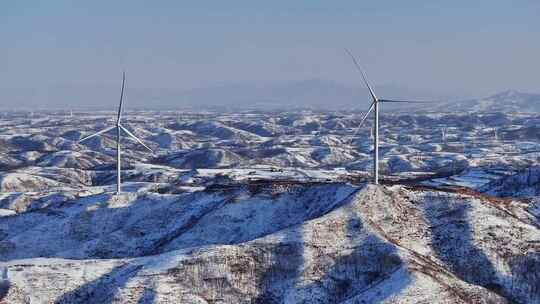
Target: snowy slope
{"points": [[524, 183], [275, 243]]}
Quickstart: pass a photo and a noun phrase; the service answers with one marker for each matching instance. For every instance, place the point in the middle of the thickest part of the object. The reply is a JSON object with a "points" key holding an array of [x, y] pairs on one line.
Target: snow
{"points": [[378, 239], [535, 207], [255, 207]]}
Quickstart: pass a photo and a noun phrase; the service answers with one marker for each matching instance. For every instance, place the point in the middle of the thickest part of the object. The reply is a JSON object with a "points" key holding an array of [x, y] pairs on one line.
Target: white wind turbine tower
{"points": [[374, 106], [119, 129]]}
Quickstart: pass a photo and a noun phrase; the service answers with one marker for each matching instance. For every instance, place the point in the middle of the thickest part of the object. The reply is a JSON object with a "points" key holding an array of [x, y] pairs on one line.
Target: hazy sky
{"points": [[461, 47]]}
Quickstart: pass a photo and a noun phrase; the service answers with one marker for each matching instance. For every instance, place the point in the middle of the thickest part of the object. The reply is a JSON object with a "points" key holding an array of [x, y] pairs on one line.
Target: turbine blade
{"points": [[136, 138], [367, 113], [405, 101], [121, 97], [363, 75], [97, 133], [362, 121]]}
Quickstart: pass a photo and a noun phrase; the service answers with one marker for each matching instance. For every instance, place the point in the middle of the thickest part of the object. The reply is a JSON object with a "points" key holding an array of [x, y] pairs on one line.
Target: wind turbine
{"points": [[443, 134], [119, 129], [374, 107]]}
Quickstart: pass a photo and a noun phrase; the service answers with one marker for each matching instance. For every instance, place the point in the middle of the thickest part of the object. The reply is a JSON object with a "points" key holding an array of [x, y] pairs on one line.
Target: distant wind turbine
{"points": [[374, 106], [443, 134], [119, 128]]}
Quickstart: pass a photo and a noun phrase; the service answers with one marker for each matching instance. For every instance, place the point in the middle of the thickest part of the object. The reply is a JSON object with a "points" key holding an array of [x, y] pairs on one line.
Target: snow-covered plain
{"points": [[270, 208]]}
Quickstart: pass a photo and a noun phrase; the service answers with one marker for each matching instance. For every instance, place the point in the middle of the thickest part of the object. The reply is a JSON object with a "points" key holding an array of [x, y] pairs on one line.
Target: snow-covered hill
{"points": [[423, 142], [270, 207], [273, 243]]}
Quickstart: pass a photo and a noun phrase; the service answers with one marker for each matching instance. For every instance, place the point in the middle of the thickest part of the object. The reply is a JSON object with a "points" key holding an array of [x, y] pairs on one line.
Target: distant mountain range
{"points": [[314, 94], [507, 101]]}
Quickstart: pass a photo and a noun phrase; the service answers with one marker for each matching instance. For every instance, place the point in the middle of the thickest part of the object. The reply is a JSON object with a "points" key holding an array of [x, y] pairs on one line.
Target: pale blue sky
{"points": [[466, 48]]}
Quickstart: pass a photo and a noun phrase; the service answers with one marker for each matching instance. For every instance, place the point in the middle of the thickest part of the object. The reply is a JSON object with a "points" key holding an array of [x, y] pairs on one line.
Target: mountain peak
{"points": [[510, 93], [505, 101]]}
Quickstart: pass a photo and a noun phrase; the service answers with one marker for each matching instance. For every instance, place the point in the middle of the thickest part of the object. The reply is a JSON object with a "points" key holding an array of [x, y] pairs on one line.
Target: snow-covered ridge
{"points": [[270, 207], [300, 243], [422, 142]]}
